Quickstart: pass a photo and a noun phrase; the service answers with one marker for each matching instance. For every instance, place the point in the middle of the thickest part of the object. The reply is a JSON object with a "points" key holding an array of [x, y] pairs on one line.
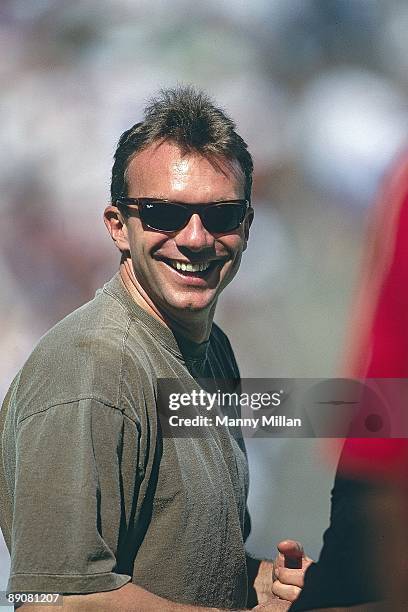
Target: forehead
{"points": [[164, 170]]}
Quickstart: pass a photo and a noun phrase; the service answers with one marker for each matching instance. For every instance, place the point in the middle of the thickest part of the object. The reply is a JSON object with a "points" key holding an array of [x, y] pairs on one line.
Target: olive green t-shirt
{"points": [[94, 496]]}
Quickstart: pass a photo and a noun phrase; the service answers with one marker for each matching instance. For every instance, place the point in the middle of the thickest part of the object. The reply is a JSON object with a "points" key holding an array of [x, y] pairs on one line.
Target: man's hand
{"points": [[281, 580], [289, 570]]}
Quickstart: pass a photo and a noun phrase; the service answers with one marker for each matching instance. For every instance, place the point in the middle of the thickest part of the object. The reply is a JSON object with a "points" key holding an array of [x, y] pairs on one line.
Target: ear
{"points": [[247, 224], [116, 226]]}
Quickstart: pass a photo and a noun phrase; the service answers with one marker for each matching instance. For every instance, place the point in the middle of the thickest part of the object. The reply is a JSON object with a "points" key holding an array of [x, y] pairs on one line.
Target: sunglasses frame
{"points": [[199, 209]]}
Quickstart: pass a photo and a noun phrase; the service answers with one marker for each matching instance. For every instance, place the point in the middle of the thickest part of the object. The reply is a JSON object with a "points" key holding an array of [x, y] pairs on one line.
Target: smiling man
{"points": [[99, 505], [187, 225]]}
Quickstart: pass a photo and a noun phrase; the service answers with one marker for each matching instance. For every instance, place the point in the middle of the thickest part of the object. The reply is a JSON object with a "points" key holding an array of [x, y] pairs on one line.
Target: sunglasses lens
{"points": [[223, 218], [171, 217], [165, 217]]}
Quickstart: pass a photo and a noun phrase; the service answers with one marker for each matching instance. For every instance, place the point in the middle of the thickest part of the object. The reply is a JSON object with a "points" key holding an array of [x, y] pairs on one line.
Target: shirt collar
{"points": [[180, 345]]}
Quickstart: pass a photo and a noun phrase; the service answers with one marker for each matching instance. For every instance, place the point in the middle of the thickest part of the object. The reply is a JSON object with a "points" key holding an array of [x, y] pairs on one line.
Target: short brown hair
{"points": [[187, 117]]}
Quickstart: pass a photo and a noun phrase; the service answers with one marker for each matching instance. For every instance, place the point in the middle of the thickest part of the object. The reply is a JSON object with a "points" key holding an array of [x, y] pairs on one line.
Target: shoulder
{"points": [[82, 357]]}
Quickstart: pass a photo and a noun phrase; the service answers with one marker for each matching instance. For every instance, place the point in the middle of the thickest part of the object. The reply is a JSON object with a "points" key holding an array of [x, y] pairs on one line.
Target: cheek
{"points": [[233, 243], [144, 243]]}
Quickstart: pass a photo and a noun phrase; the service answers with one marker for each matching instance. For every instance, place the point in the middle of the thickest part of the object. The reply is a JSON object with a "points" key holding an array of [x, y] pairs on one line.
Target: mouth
{"points": [[200, 269]]}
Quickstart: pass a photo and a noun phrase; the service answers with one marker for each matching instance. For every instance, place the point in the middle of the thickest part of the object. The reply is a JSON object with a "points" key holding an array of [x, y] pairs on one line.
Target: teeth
{"points": [[189, 267]]}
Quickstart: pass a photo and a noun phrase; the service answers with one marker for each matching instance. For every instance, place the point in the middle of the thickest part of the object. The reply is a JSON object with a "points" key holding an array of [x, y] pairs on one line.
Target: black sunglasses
{"points": [[167, 216]]}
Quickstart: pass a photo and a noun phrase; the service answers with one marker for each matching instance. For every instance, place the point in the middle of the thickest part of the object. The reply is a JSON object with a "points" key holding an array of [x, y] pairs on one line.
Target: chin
{"points": [[195, 308], [191, 305]]}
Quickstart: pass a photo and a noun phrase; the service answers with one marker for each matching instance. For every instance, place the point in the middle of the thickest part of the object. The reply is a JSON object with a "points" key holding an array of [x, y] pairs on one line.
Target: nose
{"points": [[194, 236]]}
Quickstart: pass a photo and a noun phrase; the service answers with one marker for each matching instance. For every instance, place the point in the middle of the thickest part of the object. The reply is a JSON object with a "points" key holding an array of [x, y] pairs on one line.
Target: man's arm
{"points": [[129, 598], [132, 598], [378, 606], [261, 574]]}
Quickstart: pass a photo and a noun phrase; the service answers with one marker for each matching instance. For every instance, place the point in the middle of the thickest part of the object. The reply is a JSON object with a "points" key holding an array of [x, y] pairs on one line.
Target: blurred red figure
{"points": [[381, 351], [379, 330], [378, 345], [365, 553]]}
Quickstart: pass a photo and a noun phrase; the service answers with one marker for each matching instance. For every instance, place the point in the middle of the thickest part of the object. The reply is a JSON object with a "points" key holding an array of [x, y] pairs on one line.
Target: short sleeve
{"points": [[69, 515]]}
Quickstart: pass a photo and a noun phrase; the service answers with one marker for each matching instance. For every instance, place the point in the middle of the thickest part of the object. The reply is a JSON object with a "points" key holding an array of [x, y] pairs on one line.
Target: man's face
{"points": [[162, 171]]}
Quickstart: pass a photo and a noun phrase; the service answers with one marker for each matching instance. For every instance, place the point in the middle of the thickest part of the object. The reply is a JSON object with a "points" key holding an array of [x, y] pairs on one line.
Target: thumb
{"points": [[292, 552]]}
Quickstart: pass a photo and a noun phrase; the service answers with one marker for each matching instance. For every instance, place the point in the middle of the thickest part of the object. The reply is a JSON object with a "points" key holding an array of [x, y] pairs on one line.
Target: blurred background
{"points": [[318, 89]]}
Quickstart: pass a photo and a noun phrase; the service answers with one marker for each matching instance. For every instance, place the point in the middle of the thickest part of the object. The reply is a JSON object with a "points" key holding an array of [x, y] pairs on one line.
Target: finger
{"points": [[292, 552], [287, 592], [291, 548], [290, 576], [304, 562], [279, 563]]}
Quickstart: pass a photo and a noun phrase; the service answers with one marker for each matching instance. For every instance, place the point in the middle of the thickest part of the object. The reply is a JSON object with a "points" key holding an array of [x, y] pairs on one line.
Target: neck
{"points": [[195, 326]]}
